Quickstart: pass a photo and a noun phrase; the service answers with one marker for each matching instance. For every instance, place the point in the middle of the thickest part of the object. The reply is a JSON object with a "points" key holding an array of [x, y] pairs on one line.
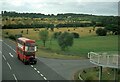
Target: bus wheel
{"points": [[35, 62], [25, 62]]}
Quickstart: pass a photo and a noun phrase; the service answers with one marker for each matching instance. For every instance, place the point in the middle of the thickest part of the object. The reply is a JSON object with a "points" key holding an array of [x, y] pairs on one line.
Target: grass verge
{"points": [[93, 74]]}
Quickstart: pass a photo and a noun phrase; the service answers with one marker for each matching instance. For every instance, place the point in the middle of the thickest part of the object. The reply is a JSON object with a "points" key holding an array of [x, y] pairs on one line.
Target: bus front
{"points": [[30, 49]]}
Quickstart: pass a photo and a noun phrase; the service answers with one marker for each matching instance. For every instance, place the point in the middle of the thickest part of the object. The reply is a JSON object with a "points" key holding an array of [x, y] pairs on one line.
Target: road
{"points": [[45, 69]]}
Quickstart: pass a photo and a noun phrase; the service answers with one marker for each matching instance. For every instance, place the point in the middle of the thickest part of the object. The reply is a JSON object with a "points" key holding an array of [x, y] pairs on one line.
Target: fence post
{"points": [[100, 73], [98, 58], [107, 59]]}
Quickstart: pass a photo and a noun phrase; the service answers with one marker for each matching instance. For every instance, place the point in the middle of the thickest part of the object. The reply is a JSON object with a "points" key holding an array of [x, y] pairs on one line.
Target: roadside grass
{"points": [[93, 74], [48, 54]]}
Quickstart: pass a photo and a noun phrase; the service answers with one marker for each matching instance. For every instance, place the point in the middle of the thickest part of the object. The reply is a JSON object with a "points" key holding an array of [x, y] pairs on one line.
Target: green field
{"points": [[86, 43]]}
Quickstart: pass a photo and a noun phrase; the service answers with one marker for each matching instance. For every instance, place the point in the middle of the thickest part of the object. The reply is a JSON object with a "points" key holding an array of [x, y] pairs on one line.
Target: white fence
{"points": [[104, 60]]}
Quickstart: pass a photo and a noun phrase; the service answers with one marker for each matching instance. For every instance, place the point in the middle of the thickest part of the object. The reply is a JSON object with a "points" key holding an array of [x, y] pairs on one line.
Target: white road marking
{"points": [[45, 78], [0, 52], [9, 65], [41, 75], [0, 40], [4, 57], [35, 69], [9, 46], [10, 54], [38, 71], [31, 65], [14, 50], [14, 77]]}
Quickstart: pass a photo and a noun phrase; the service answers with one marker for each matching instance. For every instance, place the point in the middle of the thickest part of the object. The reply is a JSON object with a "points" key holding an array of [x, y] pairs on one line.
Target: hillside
{"points": [[38, 20]]}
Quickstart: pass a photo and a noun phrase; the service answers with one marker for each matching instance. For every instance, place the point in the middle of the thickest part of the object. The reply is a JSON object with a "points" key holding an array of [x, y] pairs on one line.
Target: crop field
{"points": [[35, 34]]}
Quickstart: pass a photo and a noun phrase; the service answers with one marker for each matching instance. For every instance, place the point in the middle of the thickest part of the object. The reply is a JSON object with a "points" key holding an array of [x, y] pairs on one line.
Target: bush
{"points": [[101, 32], [6, 33], [22, 31], [68, 29], [75, 35], [12, 37], [18, 35]]}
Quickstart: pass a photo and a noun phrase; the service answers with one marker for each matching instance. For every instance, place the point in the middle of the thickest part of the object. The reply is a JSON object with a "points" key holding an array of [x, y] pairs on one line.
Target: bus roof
{"points": [[25, 39]]}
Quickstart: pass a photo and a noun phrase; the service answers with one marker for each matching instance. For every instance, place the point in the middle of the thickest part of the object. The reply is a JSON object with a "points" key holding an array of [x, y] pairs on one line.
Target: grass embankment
{"points": [[86, 43], [93, 74]]}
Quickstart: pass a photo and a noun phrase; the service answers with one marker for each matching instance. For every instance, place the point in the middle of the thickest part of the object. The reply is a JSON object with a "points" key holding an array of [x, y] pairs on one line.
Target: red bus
{"points": [[26, 50]]}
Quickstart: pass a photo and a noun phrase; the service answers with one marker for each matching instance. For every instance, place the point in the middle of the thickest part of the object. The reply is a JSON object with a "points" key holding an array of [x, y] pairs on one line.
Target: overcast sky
{"points": [[101, 7]]}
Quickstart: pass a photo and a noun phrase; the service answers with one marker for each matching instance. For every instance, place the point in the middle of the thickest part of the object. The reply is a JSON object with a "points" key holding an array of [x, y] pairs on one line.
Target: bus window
{"points": [[30, 48]]}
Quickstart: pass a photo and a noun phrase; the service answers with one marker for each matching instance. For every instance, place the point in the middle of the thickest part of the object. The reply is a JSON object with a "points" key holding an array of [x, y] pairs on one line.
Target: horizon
{"points": [[61, 13], [58, 7]]}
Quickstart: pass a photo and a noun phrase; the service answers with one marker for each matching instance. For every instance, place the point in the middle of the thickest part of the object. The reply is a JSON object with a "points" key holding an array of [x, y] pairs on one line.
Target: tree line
{"points": [[17, 26], [105, 20], [110, 22]]}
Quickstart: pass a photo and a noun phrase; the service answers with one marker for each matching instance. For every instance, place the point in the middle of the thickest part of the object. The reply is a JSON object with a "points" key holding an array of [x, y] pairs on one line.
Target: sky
{"points": [[95, 7]]}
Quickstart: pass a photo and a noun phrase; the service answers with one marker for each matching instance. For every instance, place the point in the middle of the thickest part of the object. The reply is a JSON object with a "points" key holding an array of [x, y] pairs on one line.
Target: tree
{"points": [[75, 35], [43, 36], [114, 28], [65, 40], [101, 32], [56, 35], [27, 31]]}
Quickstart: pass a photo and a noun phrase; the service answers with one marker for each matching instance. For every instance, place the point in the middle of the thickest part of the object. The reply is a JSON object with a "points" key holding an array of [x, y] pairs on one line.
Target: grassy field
{"points": [[86, 43]]}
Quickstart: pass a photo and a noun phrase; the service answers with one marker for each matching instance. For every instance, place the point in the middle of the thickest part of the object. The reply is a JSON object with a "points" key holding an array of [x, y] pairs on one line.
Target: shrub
{"points": [[68, 29], [75, 35], [52, 29], [18, 35], [101, 32], [6, 33], [12, 37], [22, 31], [89, 31]]}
